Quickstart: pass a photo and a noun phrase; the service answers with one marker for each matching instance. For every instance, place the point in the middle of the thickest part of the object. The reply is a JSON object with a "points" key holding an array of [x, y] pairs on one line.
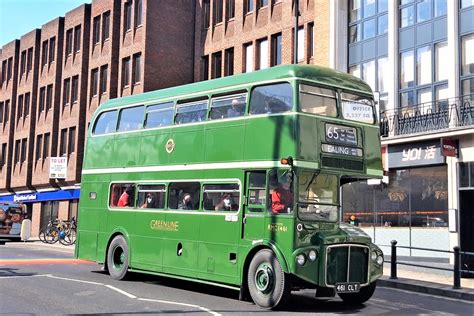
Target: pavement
{"points": [[415, 279]]}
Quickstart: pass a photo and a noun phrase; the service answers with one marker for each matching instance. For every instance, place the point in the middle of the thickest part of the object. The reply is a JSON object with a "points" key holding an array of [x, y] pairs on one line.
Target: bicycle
{"points": [[67, 232], [49, 233]]}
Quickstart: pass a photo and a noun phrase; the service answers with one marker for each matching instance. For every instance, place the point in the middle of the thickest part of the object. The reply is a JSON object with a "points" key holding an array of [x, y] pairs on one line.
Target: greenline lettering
{"points": [[164, 225]]}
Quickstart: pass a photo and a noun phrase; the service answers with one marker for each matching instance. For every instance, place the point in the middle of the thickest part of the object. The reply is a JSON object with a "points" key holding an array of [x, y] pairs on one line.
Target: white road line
{"points": [[74, 280], [430, 295], [181, 304], [207, 310], [120, 291]]}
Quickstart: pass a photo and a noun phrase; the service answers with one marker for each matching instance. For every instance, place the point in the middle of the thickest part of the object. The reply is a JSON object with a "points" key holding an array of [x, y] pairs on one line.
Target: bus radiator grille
{"points": [[347, 263]]}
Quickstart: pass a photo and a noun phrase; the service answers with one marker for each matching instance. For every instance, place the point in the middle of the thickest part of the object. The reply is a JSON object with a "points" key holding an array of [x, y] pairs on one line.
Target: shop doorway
{"points": [[49, 211], [466, 227]]}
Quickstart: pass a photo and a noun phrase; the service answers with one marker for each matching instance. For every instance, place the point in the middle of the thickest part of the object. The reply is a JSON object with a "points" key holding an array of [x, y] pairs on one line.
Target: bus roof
{"points": [[322, 75]]}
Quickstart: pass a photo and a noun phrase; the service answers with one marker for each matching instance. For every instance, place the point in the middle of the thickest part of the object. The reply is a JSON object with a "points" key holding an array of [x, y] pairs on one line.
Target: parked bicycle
{"points": [[58, 230]]}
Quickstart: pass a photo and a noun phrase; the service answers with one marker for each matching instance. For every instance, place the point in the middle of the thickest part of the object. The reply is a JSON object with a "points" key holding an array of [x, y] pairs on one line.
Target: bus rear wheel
{"points": [[117, 258], [267, 283], [364, 295]]}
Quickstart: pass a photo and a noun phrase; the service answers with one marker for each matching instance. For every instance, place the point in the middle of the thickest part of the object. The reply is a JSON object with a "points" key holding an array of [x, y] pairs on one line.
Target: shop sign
{"points": [[415, 154], [449, 147], [24, 197], [58, 168]]}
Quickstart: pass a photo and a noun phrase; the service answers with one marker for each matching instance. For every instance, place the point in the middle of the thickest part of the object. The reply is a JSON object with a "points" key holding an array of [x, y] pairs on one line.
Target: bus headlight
{"points": [[301, 259], [374, 255], [312, 255], [380, 259]]}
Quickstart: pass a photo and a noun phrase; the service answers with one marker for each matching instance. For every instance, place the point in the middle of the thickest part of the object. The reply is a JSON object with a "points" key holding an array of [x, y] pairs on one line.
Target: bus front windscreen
{"points": [[317, 196]]}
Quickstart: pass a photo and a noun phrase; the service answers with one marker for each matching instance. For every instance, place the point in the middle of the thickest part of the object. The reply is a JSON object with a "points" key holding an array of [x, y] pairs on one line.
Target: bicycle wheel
{"points": [[42, 235], [52, 235], [69, 237]]}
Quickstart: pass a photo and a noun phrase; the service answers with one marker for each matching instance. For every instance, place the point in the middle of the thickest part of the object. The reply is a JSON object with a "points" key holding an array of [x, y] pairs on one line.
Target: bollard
{"points": [[393, 260], [457, 267]]}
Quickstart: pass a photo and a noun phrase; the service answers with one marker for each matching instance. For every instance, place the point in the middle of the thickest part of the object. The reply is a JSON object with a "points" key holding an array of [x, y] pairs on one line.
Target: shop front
{"points": [[45, 205], [411, 208]]}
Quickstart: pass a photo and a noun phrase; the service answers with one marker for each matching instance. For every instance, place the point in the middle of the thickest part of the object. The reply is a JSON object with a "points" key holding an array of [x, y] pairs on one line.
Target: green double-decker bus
{"points": [[235, 182]]}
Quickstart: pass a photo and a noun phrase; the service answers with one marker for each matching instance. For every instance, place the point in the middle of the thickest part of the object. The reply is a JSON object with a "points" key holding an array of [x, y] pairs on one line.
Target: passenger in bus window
{"points": [[149, 201], [237, 109], [275, 105], [124, 200], [282, 196], [225, 204], [186, 202]]}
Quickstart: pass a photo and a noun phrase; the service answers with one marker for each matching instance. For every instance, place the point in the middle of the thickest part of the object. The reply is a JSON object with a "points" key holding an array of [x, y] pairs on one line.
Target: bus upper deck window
{"points": [[317, 100], [270, 99], [131, 118], [357, 108], [159, 115], [228, 106], [191, 112], [106, 123]]}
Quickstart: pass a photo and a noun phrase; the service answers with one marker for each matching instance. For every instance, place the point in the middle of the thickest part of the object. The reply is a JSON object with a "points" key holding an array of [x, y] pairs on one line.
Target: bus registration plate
{"points": [[349, 287]]}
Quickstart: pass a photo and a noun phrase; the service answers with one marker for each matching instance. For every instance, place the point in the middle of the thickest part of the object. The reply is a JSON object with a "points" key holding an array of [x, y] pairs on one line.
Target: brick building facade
{"points": [[54, 78]]}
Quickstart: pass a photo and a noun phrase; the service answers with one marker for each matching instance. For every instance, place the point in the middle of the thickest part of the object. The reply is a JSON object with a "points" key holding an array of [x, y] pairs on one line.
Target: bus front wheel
{"points": [[364, 295], [267, 283], [117, 258]]}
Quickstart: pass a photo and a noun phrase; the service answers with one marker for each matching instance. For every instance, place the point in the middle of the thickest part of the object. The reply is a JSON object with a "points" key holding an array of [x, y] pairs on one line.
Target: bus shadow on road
{"points": [[9, 272]]}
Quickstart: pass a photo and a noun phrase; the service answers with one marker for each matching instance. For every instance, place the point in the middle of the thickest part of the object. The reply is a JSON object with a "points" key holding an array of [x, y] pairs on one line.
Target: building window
{"points": [[423, 65], [138, 13], [310, 39], [205, 67], [6, 110], [407, 70], [77, 39], [440, 7], [1, 112], [407, 99], [382, 72], [69, 42], [206, 13], [46, 146], [230, 9], [19, 107], [44, 55], [216, 71], [466, 3], [368, 72], [66, 89], [229, 62], [407, 16], [126, 72], [105, 25], [382, 24], [441, 71], [26, 110], [103, 78], [75, 89], [263, 53], [52, 48], [137, 68], [3, 156], [42, 99], [217, 9], [17, 151], [128, 16], [423, 11], [4, 72], [467, 53], [63, 146], [49, 97], [23, 149], [248, 6], [22, 67], [29, 64], [94, 81], [262, 3], [301, 44], [96, 30], [71, 141], [39, 144], [248, 49]]}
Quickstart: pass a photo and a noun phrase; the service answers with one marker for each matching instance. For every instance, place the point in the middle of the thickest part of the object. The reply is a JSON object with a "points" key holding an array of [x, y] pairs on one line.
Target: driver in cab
{"points": [[282, 196]]}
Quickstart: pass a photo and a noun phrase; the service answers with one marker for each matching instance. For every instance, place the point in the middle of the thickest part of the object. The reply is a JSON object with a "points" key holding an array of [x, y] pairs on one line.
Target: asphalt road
{"points": [[35, 279]]}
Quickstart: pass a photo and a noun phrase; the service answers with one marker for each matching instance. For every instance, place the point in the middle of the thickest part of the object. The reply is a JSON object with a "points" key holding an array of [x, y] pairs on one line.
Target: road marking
{"points": [[39, 261], [120, 291], [430, 295], [22, 276], [181, 304], [131, 296]]}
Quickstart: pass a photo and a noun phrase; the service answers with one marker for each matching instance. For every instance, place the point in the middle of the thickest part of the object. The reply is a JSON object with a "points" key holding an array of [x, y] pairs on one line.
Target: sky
{"points": [[18, 17]]}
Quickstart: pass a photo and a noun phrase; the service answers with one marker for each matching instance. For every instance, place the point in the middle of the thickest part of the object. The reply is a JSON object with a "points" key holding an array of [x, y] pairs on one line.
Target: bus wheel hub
{"points": [[264, 278]]}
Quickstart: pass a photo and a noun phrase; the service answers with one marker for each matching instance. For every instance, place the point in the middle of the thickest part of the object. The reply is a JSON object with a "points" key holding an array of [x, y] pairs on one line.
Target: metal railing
{"points": [[439, 115], [456, 269]]}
